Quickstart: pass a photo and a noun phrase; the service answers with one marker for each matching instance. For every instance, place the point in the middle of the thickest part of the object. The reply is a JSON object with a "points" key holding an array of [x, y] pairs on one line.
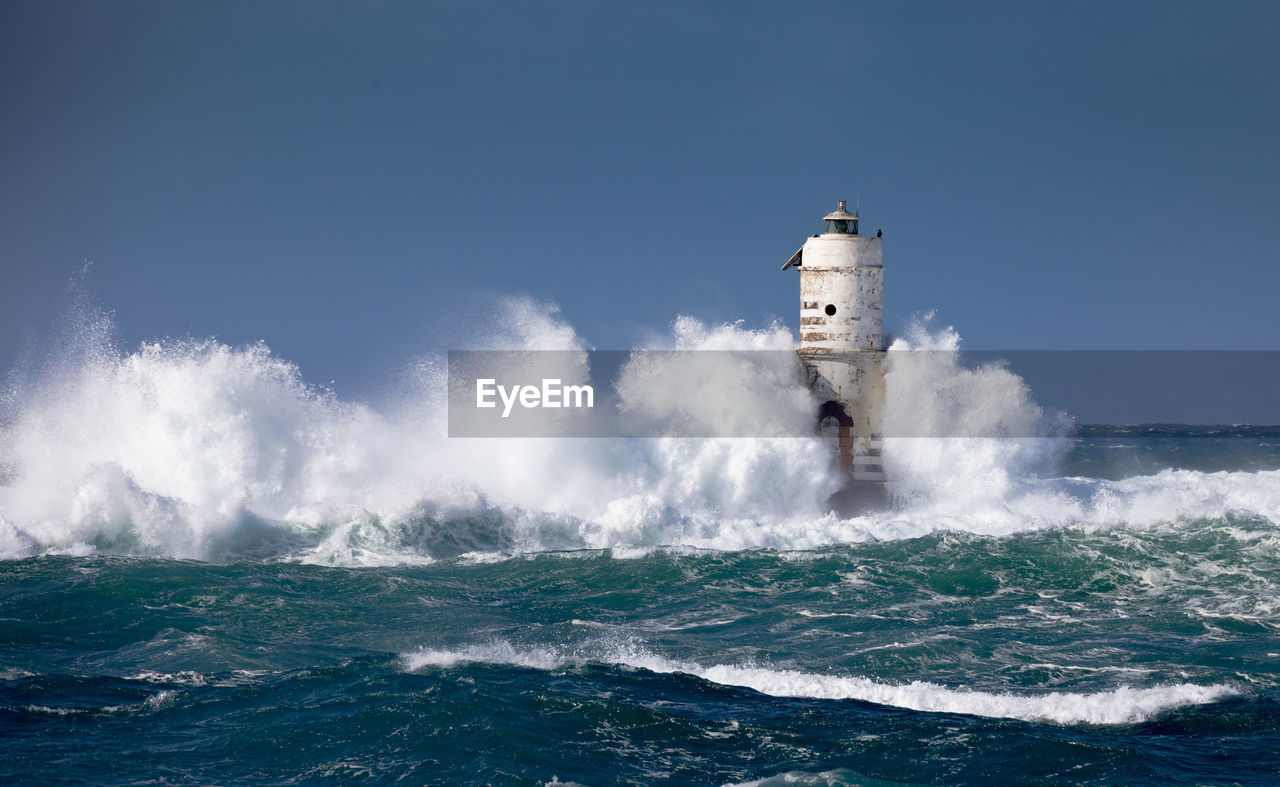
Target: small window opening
{"points": [[831, 309]]}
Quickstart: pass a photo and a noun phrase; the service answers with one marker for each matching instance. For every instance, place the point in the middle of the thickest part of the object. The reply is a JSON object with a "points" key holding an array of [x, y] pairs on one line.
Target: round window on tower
{"points": [[831, 309]]}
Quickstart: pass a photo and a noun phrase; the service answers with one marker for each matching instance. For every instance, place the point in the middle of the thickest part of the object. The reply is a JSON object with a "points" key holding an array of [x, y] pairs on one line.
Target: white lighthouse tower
{"points": [[842, 342]]}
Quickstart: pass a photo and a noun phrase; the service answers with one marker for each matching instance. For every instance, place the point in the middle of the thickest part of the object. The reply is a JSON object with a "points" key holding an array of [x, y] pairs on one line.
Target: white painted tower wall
{"points": [[847, 272]]}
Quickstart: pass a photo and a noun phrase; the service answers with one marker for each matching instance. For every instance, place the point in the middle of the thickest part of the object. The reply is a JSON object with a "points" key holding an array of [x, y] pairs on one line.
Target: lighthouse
{"points": [[842, 347]]}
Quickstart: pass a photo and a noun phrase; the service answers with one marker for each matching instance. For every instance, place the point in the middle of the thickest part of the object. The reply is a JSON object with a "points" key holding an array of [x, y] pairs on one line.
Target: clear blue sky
{"points": [[355, 183]]}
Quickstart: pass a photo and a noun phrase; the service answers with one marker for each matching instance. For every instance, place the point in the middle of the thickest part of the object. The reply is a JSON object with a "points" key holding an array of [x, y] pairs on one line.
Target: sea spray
{"points": [[971, 450], [192, 448], [196, 449]]}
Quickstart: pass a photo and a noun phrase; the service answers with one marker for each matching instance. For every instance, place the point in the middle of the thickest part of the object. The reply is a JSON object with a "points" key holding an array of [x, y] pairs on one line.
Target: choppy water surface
{"points": [[1073, 654]]}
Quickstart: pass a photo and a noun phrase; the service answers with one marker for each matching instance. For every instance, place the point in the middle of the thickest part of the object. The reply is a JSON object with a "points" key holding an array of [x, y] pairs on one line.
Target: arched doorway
{"points": [[835, 427]]}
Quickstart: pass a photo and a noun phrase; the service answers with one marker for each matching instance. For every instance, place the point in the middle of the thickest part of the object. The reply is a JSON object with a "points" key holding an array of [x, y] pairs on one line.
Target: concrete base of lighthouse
{"points": [[859, 497], [850, 386]]}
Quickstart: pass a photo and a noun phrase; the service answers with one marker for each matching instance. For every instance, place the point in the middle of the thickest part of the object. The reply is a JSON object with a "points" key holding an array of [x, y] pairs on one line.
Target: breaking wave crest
{"points": [[196, 449], [1123, 705]]}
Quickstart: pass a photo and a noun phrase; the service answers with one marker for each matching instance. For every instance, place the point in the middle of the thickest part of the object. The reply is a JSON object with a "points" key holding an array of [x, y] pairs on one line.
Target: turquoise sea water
{"points": [[1078, 652]]}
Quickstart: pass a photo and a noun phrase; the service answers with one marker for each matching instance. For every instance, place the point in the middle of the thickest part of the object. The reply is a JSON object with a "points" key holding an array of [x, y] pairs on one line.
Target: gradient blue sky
{"points": [[355, 183]]}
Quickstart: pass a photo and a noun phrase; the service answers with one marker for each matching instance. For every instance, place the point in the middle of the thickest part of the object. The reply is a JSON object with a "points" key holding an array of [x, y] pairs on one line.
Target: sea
{"points": [[215, 572]]}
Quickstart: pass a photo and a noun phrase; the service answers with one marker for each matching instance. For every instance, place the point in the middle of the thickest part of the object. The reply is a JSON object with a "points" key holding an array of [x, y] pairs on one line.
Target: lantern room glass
{"points": [[842, 226]]}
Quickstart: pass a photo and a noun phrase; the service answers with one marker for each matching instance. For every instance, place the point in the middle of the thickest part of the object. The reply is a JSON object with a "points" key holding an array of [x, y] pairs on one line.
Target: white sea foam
{"points": [[835, 778], [1123, 705], [196, 449]]}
